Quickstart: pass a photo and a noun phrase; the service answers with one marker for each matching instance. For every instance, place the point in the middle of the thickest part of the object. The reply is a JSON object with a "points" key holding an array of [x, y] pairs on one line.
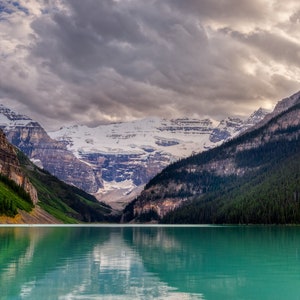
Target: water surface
{"points": [[149, 263]]}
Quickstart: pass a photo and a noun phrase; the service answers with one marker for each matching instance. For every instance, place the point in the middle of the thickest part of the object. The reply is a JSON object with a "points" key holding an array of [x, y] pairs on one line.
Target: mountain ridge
{"points": [[114, 161], [215, 171]]}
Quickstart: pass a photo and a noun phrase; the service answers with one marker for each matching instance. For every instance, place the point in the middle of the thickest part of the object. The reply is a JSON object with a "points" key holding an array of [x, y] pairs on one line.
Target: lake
{"points": [[149, 262]]}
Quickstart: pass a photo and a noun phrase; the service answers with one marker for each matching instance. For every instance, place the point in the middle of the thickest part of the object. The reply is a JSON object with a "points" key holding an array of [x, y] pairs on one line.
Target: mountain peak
{"points": [[286, 103], [257, 116], [11, 114], [281, 106], [231, 126], [11, 118]]}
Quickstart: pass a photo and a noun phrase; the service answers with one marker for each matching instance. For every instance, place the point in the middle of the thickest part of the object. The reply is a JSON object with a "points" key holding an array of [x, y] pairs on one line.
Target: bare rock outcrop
{"points": [[10, 167]]}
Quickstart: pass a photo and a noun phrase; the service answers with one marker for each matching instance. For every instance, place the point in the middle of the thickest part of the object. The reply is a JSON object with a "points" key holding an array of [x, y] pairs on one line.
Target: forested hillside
{"points": [[269, 195], [251, 179]]}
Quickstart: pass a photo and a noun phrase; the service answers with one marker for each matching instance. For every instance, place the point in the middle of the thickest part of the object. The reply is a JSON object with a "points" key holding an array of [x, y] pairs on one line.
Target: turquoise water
{"points": [[150, 263]]}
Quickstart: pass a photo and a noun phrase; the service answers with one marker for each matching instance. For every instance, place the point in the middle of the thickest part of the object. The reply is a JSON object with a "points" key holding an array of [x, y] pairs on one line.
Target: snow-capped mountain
{"points": [[176, 138], [129, 154], [11, 119], [179, 137]]}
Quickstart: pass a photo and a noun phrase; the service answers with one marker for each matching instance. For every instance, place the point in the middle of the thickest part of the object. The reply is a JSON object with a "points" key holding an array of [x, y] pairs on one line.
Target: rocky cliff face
{"points": [[10, 167], [226, 129], [191, 177]]}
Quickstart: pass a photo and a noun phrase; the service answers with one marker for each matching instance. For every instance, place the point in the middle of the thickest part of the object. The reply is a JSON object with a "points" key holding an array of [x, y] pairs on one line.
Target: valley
{"points": [[115, 161], [157, 170]]}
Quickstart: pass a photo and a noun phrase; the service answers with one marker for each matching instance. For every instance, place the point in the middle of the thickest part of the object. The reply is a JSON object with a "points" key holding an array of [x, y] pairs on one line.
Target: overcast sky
{"points": [[97, 61]]}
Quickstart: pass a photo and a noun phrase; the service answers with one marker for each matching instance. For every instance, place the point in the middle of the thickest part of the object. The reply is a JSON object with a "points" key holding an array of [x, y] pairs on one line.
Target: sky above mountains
{"points": [[98, 61]]}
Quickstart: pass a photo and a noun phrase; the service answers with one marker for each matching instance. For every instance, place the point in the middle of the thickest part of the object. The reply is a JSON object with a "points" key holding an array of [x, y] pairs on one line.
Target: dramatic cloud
{"points": [[97, 61]]}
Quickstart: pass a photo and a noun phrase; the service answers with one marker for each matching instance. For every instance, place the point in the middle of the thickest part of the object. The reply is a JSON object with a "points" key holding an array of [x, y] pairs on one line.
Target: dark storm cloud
{"points": [[100, 47], [93, 61], [93, 34]]}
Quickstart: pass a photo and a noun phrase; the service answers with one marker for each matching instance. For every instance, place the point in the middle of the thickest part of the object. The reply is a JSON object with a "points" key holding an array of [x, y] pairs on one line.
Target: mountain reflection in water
{"points": [[149, 262]]}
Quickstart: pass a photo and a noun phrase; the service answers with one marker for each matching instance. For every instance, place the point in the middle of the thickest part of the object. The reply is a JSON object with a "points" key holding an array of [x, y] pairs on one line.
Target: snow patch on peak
{"points": [[257, 116], [232, 126], [9, 118]]}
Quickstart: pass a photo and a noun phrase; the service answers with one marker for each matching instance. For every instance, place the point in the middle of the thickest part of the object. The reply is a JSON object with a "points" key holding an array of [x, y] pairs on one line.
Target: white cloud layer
{"points": [[98, 61]]}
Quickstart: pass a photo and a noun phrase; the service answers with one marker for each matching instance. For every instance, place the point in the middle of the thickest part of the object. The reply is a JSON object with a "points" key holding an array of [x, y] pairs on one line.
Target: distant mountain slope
{"points": [[254, 178]]}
